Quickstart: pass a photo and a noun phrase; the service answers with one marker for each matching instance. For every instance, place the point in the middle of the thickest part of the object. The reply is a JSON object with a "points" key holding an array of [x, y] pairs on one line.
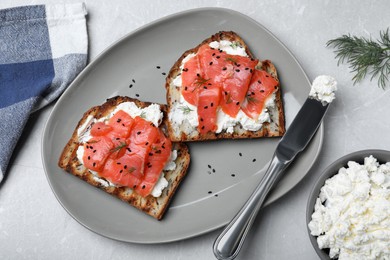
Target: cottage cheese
{"points": [[352, 213], [183, 111], [323, 89], [150, 113]]}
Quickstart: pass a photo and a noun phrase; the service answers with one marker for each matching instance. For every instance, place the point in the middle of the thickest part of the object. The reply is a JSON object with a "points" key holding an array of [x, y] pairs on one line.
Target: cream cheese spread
{"points": [[323, 89], [183, 111], [352, 212], [151, 113]]}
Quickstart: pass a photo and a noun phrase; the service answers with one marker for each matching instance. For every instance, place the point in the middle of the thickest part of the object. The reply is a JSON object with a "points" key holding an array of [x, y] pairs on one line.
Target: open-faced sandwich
{"points": [[219, 90], [121, 148]]}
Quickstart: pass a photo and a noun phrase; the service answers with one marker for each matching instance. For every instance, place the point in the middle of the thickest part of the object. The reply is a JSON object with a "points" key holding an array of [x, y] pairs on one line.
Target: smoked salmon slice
{"points": [[127, 151], [158, 156], [213, 80], [262, 85]]}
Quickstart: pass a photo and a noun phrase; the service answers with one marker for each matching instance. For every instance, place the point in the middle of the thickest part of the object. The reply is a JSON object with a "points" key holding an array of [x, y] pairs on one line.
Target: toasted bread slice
{"points": [[186, 132], [155, 207]]}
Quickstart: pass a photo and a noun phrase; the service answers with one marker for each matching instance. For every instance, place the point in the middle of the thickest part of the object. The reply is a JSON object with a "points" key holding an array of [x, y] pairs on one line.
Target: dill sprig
{"points": [[365, 56]]}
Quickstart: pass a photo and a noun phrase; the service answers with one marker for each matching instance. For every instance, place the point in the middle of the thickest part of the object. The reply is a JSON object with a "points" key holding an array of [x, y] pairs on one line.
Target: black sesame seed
{"points": [[146, 143], [89, 157], [204, 87], [125, 167], [120, 171], [226, 93], [237, 70], [211, 63], [135, 186], [185, 69], [128, 149], [224, 68], [238, 65], [233, 175], [246, 68], [201, 119], [210, 192], [237, 103], [123, 124], [218, 57], [133, 80], [185, 88], [209, 166], [94, 164], [215, 195], [202, 127], [143, 186], [94, 151], [259, 81], [250, 70], [205, 107], [131, 85], [137, 95], [267, 76], [220, 50], [118, 163], [261, 90], [254, 160], [139, 132], [213, 170], [212, 104], [158, 67], [197, 74], [240, 154], [164, 73], [150, 154], [213, 54]]}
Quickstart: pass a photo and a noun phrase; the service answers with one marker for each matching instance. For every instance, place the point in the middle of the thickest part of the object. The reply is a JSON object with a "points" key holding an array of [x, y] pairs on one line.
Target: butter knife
{"points": [[302, 129]]}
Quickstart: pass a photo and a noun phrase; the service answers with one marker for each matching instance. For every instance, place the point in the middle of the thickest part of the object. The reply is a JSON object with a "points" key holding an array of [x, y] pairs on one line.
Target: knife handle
{"points": [[229, 242]]}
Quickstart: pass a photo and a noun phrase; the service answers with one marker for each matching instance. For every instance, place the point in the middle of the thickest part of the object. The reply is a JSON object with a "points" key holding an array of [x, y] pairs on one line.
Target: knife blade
{"points": [[298, 136]]}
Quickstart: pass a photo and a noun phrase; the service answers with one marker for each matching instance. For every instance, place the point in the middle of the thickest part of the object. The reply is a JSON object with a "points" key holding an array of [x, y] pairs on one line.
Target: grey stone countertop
{"points": [[33, 224]]}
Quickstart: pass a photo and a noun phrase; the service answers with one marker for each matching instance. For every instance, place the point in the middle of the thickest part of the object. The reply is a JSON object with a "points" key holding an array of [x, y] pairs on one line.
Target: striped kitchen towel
{"points": [[42, 49]]}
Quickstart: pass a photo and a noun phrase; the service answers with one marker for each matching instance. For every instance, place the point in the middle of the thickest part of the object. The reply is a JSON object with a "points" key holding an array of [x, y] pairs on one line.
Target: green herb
{"points": [[131, 169], [229, 99], [119, 147], [234, 45], [231, 59], [143, 114], [185, 109], [252, 100], [201, 81], [365, 56]]}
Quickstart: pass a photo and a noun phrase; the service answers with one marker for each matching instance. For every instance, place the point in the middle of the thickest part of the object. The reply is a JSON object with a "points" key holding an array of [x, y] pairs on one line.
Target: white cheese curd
{"points": [[151, 113], [229, 47], [171, 165], [161, 184], [183, 112], [323, 89], [352, 213], [83, 132]]}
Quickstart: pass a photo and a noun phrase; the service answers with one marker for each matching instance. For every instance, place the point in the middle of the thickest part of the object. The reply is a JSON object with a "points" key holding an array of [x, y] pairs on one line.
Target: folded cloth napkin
{"points": [[42, 49]]}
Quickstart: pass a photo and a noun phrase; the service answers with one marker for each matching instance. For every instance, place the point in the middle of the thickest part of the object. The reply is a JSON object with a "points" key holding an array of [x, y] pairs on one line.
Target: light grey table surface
{"points": [[33, 225]]}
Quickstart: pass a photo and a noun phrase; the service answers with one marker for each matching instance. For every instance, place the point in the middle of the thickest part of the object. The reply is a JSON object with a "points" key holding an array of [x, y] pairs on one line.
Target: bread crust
{"points": [[155, 207], [269, 129]]}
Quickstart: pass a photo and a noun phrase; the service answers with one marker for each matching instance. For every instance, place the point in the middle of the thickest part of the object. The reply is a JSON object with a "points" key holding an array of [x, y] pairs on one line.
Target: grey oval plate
{"points": [[382, 156], [222, 174]]}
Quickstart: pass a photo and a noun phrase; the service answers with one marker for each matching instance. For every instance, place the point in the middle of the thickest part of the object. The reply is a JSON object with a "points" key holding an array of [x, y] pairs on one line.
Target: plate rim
{"points": [[104, 53]]}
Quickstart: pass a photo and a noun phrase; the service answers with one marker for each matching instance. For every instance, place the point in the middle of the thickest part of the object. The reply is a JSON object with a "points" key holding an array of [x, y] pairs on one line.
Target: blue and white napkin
{"points": [[42, 49]]}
